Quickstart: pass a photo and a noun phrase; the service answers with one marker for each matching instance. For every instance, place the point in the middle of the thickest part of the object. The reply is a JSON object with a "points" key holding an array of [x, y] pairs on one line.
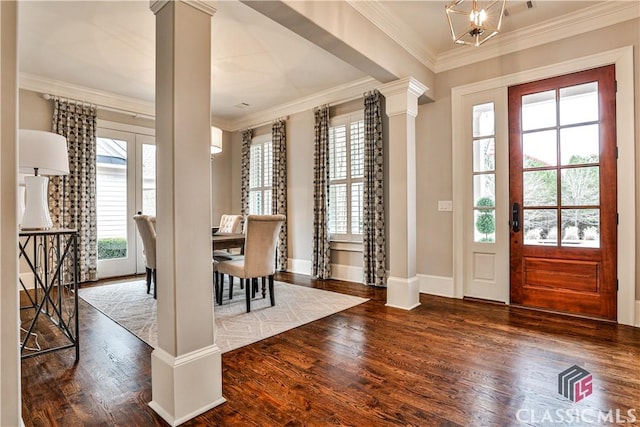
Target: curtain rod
{"points": [[133, 114]]}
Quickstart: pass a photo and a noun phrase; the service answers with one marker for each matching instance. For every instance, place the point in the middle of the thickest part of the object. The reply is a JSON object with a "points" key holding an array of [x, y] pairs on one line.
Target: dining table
{"points": [[221, 241]]}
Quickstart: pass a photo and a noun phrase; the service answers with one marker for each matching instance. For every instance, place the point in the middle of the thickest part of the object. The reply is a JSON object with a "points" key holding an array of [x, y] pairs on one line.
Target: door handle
{"points": [[515, 217]]}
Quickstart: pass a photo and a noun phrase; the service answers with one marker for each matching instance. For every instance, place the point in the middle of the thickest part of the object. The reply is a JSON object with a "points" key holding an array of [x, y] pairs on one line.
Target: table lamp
{"points": [[40, 153]]}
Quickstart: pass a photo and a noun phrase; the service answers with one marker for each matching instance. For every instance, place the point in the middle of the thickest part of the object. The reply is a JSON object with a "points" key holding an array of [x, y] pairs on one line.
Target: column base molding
{"points": [[403, 293], [186, 386]]}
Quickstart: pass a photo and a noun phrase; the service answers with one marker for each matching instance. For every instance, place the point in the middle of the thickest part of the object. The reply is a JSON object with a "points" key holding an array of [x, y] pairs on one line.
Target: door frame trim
{"points": [[625, 127]]}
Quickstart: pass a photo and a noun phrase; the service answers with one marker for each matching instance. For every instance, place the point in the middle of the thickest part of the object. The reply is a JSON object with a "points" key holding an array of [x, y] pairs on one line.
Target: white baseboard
{"points": [[299, 266], [637, 323], [436, 285], [347, 273], [28, 281]]}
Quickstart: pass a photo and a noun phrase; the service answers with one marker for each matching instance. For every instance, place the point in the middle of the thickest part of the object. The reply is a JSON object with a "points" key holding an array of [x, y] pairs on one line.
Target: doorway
{"points": [[563, 193], [626, 118], [125, 184]]}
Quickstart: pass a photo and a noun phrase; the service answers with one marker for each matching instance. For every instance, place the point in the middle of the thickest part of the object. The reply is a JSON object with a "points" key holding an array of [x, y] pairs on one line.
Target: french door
{"points": [[125, 184], [563, 198]]}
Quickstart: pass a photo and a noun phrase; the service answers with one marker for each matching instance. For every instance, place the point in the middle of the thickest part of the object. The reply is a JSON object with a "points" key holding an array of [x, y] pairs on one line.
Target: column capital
{"points": [[402, 96], [206, 6]]}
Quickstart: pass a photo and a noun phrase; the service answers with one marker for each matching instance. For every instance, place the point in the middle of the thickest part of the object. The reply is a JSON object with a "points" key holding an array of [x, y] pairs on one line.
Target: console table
{"points": [[52, 257]]}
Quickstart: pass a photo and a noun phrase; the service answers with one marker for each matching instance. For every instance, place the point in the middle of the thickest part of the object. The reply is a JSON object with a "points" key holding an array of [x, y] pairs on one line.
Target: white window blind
{"points": [[260, 176], [346, 173]]}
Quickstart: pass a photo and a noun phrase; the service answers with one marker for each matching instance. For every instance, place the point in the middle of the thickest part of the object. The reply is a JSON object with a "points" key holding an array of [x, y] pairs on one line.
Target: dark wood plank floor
{"points": [[448, 362]]}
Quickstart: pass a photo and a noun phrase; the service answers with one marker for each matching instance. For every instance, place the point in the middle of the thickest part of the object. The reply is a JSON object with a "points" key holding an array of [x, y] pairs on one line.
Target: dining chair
{"points": [[259, 259], [230, 224], [147, 231]]}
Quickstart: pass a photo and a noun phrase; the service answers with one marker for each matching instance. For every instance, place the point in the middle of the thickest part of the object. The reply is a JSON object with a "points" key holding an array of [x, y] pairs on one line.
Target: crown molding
{"points": [[590, 19], [386, 21], [336, 95], [101, 98], [137, 107]]}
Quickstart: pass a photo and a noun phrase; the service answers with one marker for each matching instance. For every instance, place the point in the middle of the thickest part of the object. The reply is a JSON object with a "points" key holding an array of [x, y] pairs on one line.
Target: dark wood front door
{"points": [[562, 177]]}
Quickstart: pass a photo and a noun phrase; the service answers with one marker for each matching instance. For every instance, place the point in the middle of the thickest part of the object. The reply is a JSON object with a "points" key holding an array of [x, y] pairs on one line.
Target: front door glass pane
{"points": [[581, 227], [539, 149], [111, 197], [540, 227], [540, 188], [579, 104], [539, 110], [580, 145], [581, 186]]}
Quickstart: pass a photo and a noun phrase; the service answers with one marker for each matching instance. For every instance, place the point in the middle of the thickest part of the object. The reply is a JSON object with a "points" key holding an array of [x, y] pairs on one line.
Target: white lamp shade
{"points": [[216, 140], [44, 151]]}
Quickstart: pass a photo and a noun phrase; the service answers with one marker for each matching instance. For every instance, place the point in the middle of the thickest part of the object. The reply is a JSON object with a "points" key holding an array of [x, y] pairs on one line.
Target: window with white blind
{"points": [[346, 176], [260, 175]]}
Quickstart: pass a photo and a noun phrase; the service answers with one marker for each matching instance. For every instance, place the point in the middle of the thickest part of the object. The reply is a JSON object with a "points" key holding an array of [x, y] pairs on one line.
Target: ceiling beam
{"points": [[345, 33]]}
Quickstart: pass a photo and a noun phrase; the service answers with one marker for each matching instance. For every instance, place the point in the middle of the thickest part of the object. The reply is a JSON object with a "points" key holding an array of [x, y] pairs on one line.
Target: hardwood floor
{"points": [[447, 362]]}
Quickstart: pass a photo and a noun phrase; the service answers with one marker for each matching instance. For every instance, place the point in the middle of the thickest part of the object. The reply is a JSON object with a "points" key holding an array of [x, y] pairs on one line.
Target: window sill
{"points": [[347, 246]]}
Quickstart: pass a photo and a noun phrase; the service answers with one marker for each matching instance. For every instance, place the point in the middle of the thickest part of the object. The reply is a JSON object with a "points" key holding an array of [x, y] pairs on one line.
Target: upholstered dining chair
{"points": [[147, 230], [230, 224], [259, 259]]}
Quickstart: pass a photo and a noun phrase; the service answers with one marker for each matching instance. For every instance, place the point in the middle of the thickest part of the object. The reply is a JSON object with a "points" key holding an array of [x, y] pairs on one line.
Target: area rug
{"points": [[128, 304]]}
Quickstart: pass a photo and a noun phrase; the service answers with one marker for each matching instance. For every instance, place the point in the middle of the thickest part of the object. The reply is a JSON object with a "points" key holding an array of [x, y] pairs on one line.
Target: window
{"points": [[484, 173], [346, 178], [261, 165]]}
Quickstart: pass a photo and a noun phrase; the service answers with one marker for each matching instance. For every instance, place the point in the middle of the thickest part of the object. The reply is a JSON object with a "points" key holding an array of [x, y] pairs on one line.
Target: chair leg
{"points": [[254, 286], [215, 286], [148, 279], [247, 290], [264, 287], [155, 283], [220, 287], [231, 287], [272, 295]]}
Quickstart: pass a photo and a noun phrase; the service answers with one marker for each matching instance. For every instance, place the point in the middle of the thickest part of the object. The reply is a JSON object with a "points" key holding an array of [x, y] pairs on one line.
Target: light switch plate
{"points": [[445, 205]]}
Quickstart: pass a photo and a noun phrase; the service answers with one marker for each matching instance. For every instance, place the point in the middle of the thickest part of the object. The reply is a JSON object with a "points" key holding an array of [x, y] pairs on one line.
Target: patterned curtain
{"points": [[374, 238], [279, 188], [73, 198], [245, 173], [321, 256]]}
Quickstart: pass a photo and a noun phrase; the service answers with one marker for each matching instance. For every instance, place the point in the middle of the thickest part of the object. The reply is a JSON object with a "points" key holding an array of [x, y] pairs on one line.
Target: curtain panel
{"points": [[279, 188], [374, 237], [73, 198], [321, 252], [245, 172]]}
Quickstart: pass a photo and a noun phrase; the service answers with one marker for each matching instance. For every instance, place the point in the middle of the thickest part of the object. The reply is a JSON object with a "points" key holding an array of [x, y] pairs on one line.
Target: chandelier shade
{"points": [[474, 22], [216, 140]]}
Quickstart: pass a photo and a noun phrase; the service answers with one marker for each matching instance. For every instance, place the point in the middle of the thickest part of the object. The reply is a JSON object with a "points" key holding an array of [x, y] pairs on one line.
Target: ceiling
{"points": [[108, 46]]}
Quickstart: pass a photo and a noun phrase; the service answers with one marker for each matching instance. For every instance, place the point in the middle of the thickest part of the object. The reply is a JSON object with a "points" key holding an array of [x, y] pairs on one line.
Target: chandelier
{"points": [[474, 22]]}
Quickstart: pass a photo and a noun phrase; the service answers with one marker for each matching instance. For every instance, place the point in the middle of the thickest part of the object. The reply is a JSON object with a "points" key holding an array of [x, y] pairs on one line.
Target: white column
{"points": [[403, 290], [10, 389], [186, 366]]}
